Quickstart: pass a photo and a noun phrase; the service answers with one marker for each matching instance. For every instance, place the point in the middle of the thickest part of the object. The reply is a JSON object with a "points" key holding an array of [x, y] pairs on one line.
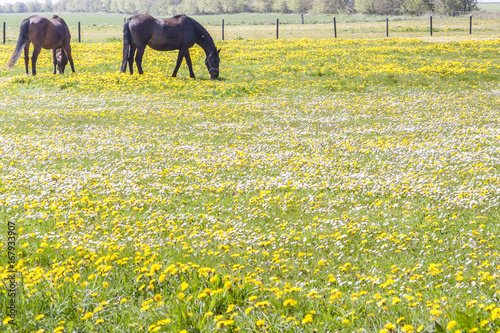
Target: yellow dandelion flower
{"points": [[408, 328], [260, 323], [307, 318]]}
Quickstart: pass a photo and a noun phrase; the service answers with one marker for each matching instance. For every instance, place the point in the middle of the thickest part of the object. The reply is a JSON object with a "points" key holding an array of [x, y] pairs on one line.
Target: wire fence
{"points": [[454, 26]]}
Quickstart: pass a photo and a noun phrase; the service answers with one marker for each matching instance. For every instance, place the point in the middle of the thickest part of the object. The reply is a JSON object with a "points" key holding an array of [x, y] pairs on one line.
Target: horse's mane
{"points": [[201, 30]]}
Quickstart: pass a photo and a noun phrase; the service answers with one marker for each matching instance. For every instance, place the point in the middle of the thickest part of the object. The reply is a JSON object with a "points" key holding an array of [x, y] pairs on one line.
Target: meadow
{"points": [[320, 185]]}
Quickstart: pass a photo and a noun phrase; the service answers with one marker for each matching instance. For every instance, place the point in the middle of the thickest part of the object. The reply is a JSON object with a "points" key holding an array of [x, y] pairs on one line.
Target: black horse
{"points": [[177, 33], [50, 34]]}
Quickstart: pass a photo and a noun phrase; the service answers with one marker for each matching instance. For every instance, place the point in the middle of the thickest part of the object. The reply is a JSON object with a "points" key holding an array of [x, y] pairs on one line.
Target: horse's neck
{"points": [[207, 46], [206, 43]]}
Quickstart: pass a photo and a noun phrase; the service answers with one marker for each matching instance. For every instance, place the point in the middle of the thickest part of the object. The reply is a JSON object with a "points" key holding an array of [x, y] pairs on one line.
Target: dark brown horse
{"points": [[177, 33], [50, 34]]}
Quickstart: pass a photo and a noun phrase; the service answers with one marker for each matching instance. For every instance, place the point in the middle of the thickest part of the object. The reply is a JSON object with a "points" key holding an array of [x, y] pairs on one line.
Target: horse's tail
{"points": [[21, 43], [127, 40]]}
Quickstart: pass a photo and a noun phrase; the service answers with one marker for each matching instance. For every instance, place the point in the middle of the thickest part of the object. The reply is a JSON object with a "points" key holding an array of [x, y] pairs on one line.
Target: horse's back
{"points": [[50, 33], [38, 22]]}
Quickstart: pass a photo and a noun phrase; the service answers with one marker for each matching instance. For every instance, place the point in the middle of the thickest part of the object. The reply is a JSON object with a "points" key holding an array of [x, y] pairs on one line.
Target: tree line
{"points": [[172, 7]]}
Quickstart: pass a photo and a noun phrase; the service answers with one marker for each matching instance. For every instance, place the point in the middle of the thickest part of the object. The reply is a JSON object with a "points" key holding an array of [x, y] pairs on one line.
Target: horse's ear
{"points": [[218, 51]]}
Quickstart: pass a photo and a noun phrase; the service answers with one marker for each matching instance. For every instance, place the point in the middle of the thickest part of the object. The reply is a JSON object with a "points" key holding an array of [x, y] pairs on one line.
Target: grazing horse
{"points": [[176, 33], [50, 34]]}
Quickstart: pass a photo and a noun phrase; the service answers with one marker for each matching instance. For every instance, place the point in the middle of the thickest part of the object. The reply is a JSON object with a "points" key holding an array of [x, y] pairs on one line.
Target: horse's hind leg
{"points": [[181, 54], [67, 50], [34, 57], [190, 64], [131, 59], [138, 58], [27, 57]]}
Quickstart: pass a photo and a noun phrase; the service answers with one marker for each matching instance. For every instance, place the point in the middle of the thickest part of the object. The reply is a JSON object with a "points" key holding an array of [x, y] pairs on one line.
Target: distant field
{"points": [[108, 27], [490, 7]]}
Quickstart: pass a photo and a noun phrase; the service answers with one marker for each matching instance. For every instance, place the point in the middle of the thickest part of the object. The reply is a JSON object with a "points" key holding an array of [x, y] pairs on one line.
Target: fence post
{"points": [[4, 33], [79, 33], [222, 29], [302, 18], [387, 27], [277, 27], [431, 25], [470, 25], [335, 27]]}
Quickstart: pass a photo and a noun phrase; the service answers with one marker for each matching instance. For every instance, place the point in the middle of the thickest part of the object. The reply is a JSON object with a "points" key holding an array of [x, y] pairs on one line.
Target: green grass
{"points": [[318, 186], [490, 7]]}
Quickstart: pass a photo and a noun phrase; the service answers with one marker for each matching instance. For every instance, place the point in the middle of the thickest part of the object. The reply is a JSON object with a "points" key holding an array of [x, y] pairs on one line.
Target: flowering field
{"points": [[320, 185]]}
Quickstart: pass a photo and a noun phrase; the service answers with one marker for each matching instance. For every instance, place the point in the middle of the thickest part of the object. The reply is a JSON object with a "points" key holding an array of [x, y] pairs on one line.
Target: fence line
{"points": [[223, 27]]}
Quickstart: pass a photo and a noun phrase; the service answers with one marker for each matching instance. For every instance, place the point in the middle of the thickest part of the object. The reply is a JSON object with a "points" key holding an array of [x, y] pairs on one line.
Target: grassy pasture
{"points": [[320, 185], [493, 7], [108, 27]]}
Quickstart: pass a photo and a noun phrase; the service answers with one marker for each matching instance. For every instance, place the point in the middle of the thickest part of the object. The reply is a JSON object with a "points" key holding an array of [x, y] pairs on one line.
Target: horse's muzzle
{"points": [[214, 74]]}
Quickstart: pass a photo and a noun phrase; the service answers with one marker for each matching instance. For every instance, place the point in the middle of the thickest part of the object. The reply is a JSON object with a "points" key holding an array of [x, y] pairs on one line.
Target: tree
{"points": [[47, 6], [19, 7], [281, 6], [417, 7], [332, 6], [262, 6], [381, 7], [299, 6]]}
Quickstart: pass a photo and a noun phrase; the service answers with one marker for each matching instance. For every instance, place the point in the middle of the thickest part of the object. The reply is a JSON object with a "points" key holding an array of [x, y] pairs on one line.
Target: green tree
{"points": [[19, 7], [262, 6], [300, 6], [417, 7], [380, 7], [332, 6], [281, 6]]}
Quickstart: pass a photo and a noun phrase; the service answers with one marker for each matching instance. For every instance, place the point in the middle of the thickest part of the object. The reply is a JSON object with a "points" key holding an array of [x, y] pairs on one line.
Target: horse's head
{"points": [[212, 63], [62, 60]]}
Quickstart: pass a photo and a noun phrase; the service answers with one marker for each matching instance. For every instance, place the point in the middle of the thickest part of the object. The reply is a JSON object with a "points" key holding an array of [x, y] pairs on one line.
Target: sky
{"points": [[3, 2]]}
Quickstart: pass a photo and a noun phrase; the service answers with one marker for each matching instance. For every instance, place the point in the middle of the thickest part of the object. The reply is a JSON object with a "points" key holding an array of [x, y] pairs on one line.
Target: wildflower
{"points": [[289, 302], [87, 315], [451, 324], [408, 328], [307, 318], [390, 326]]}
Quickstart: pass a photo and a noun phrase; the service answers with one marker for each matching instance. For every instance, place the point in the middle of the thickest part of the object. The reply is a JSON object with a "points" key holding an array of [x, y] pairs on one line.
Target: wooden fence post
{"points": [[335, 27], [387, 27], [431, 25], [79, 33], [4, 32], [470, 25], [277, 28], [222, 29]]}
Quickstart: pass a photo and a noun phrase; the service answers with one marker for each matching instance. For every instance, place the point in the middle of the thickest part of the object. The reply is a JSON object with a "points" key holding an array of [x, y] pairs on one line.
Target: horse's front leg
{"points": [[54, 60], [181, 55], [34, 57], [190, 64]]}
